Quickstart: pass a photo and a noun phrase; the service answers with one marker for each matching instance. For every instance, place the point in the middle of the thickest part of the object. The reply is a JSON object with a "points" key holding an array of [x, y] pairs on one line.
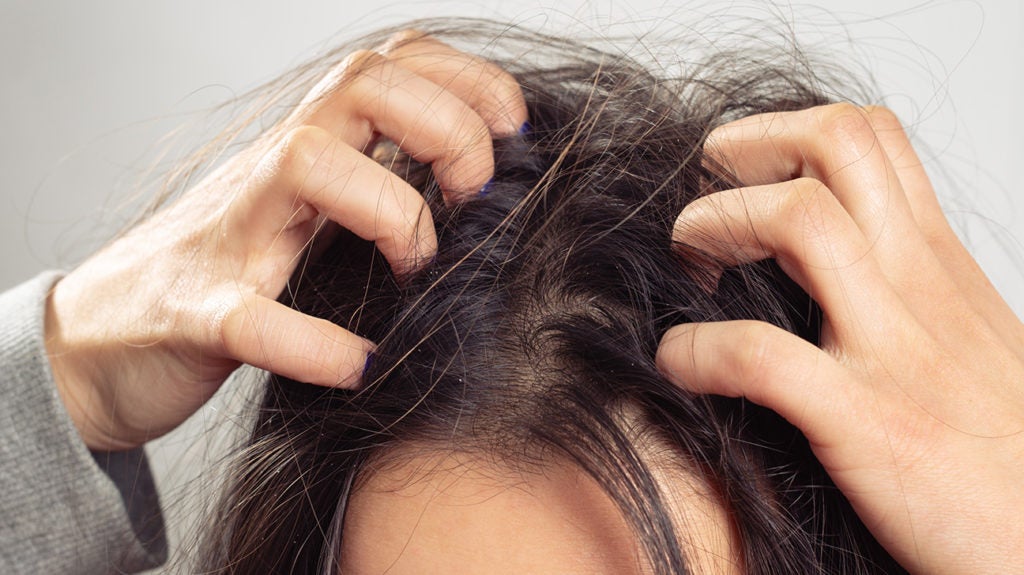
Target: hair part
{"points": [[531, 337]]}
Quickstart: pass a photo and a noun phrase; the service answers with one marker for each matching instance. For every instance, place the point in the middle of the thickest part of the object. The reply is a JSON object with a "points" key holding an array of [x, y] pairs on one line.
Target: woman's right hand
{"points": [[914, 401], [143, 332]]}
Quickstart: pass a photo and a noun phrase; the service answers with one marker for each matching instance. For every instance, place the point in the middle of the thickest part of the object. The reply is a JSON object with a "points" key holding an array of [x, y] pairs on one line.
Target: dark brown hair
{"points": [[535, 328]]}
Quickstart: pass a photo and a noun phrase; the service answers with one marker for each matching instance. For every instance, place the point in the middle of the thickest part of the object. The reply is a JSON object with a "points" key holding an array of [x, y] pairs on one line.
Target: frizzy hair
{"points": [[531, 337]]}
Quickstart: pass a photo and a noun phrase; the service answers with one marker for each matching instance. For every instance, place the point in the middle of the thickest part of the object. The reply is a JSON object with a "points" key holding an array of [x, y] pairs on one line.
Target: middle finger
{"points": [[837, 145]]}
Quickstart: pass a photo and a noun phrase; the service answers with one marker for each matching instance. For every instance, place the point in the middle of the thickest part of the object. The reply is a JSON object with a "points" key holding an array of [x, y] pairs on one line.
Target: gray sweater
{"points": [[63, 509]]}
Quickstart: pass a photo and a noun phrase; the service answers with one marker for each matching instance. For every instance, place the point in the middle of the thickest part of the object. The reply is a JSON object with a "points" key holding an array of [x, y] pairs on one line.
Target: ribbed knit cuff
{"points": [[63, 509]]}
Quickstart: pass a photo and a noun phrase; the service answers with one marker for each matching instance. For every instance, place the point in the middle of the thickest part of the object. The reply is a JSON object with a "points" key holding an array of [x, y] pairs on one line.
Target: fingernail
{"points": [[526, 128], [367, 365], [487, 187]]}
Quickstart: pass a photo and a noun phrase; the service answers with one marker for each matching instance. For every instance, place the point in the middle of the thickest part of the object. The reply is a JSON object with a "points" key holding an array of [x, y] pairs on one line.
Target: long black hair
{"points": [[531, 337]]}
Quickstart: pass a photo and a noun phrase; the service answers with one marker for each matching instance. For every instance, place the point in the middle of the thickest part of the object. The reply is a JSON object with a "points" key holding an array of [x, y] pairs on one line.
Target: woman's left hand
{"points": [[914, 401]]}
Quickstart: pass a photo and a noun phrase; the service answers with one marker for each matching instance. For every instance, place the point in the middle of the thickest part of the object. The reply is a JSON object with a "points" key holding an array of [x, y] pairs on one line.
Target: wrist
{"points": [[75, 374]]}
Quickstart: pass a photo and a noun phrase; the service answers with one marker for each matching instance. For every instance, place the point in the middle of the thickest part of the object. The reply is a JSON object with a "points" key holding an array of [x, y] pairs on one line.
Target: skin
{"points": [[915, 400], [458, 513], [145, 331]]}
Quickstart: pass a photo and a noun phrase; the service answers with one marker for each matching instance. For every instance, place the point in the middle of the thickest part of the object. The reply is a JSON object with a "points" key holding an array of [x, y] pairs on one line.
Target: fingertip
{"points": [[465, 172], [457, 195], [690, 241], [720, 358], [678, 333], [412, 241], [509, 122], [344, 365], [419, 254], [514, 121], [766, 365], [700, 266], [510, 116], [687, 227], [675, 349], [353, 375]]}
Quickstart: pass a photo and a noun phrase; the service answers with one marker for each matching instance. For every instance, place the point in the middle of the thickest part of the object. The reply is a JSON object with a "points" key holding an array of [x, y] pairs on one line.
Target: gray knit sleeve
{"points": [[63, 509]]}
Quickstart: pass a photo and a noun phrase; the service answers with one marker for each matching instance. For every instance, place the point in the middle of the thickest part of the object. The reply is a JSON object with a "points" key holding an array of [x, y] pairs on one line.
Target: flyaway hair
{"points": [[531, 337]]}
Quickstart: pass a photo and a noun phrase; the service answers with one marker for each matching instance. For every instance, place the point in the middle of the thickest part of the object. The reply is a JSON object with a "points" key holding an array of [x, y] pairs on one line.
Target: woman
{"points": [[514, 418], [292, 176]]}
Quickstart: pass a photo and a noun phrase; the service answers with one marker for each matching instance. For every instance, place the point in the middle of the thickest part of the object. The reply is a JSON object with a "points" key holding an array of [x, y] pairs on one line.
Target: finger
{"points": [[963, 270], [837, 145], [768, 366], [269, 335], [311, 173], [373, 94], [815, 241], [917, 187], [487, 88]]}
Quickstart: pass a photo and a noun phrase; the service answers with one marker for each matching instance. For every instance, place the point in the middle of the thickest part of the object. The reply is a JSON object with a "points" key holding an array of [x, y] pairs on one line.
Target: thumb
{"points": [[269, 335], [770, 367]]}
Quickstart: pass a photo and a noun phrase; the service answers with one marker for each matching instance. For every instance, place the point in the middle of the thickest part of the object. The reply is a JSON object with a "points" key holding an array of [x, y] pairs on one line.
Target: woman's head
{"points": [[513, 404]]}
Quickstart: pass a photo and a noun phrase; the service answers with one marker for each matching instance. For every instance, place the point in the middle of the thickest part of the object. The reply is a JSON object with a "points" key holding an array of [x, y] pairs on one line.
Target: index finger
{"points": [[484, 86], [438, 104], [375, 95]]}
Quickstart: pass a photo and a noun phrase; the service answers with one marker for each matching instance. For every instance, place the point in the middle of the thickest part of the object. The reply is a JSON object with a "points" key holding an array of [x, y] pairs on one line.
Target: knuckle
{"points": [[809, 209], [847, 127], [808, 188], [883, 118], [301, 149], [224, 321], [493, 81], [359, 62], [401, 39], [403, 214], [498, 82], [802, 196], [342, 76], [467, 143], [354, 66], [756, 357], [471, 132], [386, 216]]}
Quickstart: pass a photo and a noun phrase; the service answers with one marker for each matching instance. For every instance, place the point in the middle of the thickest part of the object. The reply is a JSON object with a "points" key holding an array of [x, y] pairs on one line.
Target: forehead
{"points": [[461, 514]]}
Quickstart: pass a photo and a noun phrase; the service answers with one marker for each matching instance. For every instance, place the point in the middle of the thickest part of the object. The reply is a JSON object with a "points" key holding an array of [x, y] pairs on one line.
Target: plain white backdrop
{"points": [[89, 88]]}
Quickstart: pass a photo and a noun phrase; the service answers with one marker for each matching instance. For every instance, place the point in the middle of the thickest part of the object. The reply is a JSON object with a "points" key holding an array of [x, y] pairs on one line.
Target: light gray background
{"points": [[88, 88]]}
